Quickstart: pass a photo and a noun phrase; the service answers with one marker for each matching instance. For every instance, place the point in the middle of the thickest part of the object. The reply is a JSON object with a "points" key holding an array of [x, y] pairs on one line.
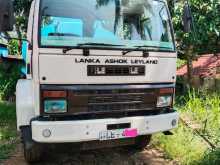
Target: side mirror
{"points": [[7, 18], [187, 18]]}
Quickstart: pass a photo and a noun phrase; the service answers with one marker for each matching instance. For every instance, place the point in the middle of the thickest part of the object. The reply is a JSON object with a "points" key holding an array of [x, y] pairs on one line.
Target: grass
{"points": [[8, 136], [186, 147], [204, 109], [183, 146]]}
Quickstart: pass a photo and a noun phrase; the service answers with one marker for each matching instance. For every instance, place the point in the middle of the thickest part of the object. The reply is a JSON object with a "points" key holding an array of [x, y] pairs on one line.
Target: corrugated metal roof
{"points": [[204, 66]]}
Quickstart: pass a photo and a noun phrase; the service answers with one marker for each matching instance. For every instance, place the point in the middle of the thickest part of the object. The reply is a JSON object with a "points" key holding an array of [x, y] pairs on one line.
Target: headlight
{"points": [[164, 101], [55, 106]]}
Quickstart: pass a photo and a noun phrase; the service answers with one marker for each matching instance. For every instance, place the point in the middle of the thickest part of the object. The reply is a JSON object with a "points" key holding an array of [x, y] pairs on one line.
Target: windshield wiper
{"points": [[145, 52], [63, 35], [97, 44], [88, 44]]}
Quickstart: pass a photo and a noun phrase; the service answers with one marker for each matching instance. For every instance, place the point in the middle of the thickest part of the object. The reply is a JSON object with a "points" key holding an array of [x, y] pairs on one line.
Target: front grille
{"points": [[118, 107], [115, 70], [111, 100], [115, 99]]}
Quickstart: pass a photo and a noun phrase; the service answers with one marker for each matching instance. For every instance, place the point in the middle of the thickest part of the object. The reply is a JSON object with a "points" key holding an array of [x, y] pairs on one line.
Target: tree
{"points": [[22, 9], [206, 16]]}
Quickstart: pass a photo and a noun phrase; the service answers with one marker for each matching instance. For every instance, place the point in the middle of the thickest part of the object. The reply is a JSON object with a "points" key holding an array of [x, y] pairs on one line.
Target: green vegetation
{"points": [[204, 37], [180, 63], [183, 146], [186, 147], [9, 74], [203, 108], [8, 137], [206, 15]]}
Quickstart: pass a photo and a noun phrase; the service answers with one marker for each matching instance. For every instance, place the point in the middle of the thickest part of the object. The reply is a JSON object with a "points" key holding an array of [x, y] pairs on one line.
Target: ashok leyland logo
{"points": [[114, 61]]}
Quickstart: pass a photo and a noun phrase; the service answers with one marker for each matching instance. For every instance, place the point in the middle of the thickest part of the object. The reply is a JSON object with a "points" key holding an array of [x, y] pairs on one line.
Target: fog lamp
{"points": [[46, 133]]}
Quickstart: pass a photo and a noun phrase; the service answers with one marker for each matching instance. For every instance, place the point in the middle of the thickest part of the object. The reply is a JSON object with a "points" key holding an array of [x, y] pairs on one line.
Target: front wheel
{"points": [[32, 150]]}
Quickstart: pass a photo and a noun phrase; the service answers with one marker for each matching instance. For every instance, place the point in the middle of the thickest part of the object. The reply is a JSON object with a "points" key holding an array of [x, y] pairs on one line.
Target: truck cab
{"points": [[97, 71]]}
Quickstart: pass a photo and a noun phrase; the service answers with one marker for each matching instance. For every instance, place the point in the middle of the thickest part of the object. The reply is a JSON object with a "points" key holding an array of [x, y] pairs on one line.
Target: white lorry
{"points": [[98, 71]]}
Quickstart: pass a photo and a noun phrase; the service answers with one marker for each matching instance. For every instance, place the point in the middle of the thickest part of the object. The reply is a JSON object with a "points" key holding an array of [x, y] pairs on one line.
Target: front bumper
{"points": [[88, 130]]}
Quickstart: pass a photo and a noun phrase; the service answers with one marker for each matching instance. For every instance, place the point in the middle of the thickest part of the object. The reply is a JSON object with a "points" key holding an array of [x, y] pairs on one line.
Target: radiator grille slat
{"points": [[115, 99], [112, 100]]}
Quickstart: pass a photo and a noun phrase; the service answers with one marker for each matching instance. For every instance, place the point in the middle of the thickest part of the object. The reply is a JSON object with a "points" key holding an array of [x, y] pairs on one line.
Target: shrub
{"points": [[9, 74]]}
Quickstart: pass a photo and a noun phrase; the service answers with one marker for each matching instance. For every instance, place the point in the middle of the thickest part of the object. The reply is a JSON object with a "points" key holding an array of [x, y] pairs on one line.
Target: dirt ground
{"points": [[115, 156]]}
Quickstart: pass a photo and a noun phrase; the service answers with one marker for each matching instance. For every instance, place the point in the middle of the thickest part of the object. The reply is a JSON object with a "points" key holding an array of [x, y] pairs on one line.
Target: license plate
{"points": [[117, 134]]}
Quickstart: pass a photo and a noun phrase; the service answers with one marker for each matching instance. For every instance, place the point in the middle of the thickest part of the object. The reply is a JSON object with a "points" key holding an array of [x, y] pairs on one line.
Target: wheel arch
{"points": [[24, 102]]}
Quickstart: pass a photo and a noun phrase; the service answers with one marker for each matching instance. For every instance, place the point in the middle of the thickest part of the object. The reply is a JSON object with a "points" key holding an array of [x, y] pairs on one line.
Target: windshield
{"points": [[119, 23]]}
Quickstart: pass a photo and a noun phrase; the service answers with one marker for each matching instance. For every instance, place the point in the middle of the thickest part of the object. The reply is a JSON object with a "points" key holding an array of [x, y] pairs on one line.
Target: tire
{"points": [[141, 142], [32, 150]]}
